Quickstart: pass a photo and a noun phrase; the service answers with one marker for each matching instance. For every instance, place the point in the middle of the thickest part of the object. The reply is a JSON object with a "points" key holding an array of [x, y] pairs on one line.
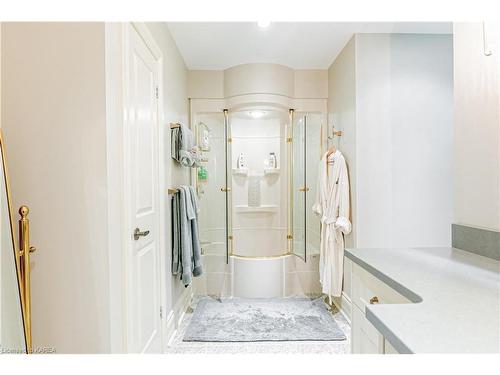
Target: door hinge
{"points": [[161, 312], [156, 92]]}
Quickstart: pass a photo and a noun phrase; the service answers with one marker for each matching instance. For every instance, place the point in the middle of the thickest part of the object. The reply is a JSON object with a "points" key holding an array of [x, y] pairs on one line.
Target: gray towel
{"points": [[183, 148], [186, 253], [175, 143], [197, 266], [186, 145], [186, 250], [176, 237]]}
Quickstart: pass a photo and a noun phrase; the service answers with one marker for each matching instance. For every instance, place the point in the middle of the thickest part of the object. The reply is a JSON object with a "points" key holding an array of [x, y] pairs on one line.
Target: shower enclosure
{"points": [[256, 187]]}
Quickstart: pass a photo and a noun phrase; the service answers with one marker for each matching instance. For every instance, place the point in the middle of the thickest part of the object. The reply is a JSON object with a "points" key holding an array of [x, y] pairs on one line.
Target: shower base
{"points": [[259, 277]]}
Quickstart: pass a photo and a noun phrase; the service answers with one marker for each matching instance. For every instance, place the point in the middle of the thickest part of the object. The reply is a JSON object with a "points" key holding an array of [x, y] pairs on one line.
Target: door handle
{"points": [[138, 233], [304, 189]]}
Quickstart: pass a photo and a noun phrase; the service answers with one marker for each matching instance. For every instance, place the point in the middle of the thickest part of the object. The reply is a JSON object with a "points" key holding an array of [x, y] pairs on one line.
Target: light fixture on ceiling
{"points": [[263, 24], [257, 114]]}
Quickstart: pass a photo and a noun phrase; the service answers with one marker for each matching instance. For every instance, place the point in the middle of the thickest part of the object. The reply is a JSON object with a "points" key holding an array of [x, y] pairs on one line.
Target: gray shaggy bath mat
{"points": [[274, 319]]}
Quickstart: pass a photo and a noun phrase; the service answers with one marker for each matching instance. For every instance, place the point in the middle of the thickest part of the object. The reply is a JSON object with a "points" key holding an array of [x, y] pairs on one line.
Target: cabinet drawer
{"points": [[365, 337], [365, 286]]}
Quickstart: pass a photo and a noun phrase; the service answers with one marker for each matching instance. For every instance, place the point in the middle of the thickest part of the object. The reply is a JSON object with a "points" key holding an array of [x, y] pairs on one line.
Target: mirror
{"points": [[12, 335]]}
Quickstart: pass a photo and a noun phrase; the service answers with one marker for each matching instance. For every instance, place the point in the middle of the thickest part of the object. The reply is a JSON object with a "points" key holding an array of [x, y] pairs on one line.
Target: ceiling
{"points": [[299, 45]]}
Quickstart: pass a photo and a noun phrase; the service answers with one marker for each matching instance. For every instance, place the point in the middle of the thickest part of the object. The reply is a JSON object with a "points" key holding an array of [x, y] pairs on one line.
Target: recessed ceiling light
{"points": [[263, 24], [257, 114]]}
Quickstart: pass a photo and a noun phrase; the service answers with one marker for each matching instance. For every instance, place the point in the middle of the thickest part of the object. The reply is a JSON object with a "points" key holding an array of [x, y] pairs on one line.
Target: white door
{"points": [[142, 199]]}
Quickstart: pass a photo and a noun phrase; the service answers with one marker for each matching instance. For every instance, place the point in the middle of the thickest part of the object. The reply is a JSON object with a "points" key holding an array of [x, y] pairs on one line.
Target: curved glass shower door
{"points": [[298, 186], [214, 196], [305, 153]]}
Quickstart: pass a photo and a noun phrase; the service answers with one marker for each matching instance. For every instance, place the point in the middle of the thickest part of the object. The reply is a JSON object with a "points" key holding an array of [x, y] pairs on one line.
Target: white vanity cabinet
{"points": [[367, 289]]}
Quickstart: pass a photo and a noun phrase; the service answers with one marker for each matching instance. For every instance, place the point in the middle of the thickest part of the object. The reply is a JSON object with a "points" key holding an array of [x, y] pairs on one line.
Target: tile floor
{"points": [[177, 346]]}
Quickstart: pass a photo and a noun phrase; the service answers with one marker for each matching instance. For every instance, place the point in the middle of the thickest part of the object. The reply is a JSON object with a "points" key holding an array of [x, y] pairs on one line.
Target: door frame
{"points": [[116, 55]]}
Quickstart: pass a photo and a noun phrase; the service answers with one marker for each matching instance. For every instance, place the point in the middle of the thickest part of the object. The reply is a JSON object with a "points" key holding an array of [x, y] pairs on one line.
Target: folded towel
{"points": [[175, 143], [183, 148], [186, 146]]}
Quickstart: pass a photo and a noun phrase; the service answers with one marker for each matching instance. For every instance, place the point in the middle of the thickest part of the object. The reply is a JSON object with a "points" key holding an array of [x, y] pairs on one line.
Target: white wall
{"points": [[53, 119], [404, 110], [342, 115], [258, 79], [176, 109], [392, 96], [65, 160], [477, 126]]}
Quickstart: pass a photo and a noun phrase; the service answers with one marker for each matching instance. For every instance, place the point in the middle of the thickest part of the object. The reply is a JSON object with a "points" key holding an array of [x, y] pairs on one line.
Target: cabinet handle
{"points": [[373, 300]]}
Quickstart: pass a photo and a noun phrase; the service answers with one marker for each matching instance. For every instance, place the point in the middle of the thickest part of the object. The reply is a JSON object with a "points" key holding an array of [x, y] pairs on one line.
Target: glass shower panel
{"points": [[315, 148], [259, 182], [210, 180], [299, 152], [307, 149]]}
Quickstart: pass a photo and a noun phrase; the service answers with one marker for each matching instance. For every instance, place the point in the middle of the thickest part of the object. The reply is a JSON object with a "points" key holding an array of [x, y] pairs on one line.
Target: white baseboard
{"points": [[175, 316], [344, 305], [170, 327], [182, 304]]}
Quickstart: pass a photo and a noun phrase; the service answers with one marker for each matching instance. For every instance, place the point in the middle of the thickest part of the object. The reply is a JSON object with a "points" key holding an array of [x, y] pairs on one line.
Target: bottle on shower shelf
{"points": [[202, 173], [273, 162]]}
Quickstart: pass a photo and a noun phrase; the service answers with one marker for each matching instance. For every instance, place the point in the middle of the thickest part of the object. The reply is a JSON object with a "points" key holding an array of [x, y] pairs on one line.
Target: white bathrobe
{"points": [[332, 206]]}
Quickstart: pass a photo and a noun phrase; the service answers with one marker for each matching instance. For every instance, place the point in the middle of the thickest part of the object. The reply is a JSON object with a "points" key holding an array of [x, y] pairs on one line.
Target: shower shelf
{"points": [[271, 171], [240, 171], [246, 172], [267, 208]]}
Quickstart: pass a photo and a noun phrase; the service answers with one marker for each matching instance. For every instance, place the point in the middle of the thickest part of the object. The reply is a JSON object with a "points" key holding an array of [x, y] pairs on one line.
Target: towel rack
{"points": [[172, 191], [174, 125]]}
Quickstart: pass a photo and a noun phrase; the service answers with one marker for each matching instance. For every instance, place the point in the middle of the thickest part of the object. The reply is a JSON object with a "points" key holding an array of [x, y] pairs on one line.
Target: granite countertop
{"points": [[455, 295]]}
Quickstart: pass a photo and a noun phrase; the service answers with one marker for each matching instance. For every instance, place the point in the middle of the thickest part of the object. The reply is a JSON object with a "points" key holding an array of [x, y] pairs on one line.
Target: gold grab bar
{"points": [[24, 255]]}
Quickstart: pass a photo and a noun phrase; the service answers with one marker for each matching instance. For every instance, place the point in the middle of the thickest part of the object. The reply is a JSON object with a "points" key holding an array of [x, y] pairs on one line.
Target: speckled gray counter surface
{"points": [[455, 295]]}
